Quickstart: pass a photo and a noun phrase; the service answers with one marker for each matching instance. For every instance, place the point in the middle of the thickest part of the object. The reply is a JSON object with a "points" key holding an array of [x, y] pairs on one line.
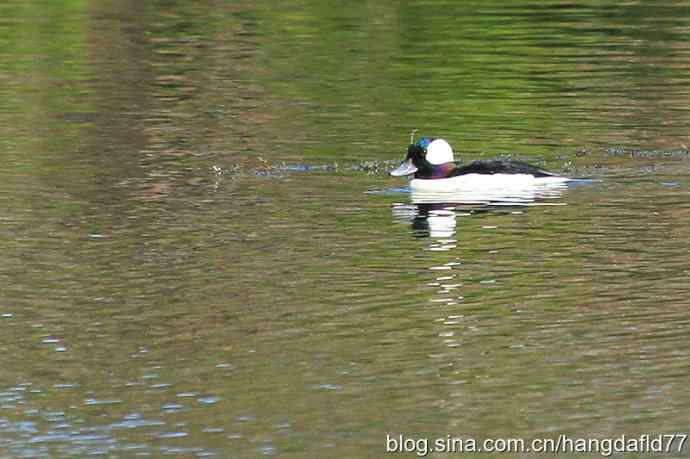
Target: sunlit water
{"points": [[200, 260]]}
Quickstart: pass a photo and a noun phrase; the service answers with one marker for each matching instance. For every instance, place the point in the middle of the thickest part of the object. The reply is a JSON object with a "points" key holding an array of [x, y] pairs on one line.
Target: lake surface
{"points": [[203, 254]]}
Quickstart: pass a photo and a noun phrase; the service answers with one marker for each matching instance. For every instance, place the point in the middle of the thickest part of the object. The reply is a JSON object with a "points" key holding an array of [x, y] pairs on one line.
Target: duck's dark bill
{"points": [[405, 168]]}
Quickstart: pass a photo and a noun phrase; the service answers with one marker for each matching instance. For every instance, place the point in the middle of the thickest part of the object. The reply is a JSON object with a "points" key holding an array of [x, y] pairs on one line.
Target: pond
{"points": [[203, 254]]}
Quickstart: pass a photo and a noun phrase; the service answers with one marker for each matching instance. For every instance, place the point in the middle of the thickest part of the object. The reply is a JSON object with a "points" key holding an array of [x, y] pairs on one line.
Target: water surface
{"points": [[176, 282]]}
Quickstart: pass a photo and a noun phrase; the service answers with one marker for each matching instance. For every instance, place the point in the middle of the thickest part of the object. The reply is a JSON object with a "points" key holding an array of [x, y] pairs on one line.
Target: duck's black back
{"points": [[500, 166]]}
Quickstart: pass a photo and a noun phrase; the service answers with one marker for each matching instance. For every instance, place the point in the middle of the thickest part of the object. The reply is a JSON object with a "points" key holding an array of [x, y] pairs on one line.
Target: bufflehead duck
{"points": [[431, 163]]}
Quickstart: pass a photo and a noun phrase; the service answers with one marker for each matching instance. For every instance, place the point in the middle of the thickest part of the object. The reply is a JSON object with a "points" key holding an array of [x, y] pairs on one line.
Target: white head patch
{"points": [[439, 152]]}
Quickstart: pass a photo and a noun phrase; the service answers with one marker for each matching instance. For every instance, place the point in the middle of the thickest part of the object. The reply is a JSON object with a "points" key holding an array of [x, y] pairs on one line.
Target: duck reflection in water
{"points": [[434, 220], [434, 214], [428, 220]]}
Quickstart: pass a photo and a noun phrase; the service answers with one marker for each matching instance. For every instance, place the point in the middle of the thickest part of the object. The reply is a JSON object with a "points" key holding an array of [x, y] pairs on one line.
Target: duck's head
{"points": [[424, 153]]}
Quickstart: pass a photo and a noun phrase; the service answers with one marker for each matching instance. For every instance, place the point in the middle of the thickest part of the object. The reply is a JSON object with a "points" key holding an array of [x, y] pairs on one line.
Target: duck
{"points": [[431, 163]]}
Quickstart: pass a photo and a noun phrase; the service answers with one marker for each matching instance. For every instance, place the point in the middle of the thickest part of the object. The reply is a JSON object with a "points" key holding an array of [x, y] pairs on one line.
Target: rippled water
{"points": [[203, 255]]}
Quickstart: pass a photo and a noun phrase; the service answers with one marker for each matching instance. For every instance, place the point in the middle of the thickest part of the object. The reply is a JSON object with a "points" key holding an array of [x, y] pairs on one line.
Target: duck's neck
{"points": [[434, 171], [424, 168]]}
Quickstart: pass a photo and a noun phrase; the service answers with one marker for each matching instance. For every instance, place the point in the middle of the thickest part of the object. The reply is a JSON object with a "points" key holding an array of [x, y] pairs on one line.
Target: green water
{"points": [[169, 288]]}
